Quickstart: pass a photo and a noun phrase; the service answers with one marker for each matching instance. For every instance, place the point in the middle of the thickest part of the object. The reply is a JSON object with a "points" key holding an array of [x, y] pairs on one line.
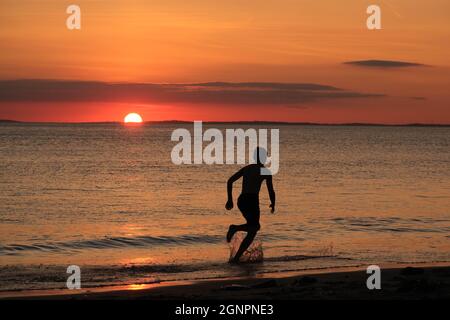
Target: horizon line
{"points": [[412, 124]]}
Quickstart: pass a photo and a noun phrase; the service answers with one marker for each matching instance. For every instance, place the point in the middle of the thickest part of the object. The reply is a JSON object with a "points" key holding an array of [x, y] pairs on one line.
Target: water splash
{"points": [[327, 251], [253, 254]]}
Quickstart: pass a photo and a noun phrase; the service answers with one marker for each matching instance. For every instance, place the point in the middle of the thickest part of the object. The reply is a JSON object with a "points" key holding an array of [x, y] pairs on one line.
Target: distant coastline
{"points": [[354, 124], [9, 121]]}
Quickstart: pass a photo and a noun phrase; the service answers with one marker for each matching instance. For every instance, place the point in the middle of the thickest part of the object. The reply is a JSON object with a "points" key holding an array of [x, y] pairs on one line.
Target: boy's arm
{"points": [[230, 182], [271, 193]]}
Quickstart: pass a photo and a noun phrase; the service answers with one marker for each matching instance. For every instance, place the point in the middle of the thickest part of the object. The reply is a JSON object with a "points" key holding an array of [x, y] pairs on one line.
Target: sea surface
{"points": [[108, 198]]}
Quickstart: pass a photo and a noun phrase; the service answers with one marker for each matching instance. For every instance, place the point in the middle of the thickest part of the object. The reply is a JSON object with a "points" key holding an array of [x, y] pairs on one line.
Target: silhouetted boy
{"points": [[248, 201]]}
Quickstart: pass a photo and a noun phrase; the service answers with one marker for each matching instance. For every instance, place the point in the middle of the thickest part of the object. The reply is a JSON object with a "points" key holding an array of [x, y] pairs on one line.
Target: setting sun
{"points": [[133, 118]]}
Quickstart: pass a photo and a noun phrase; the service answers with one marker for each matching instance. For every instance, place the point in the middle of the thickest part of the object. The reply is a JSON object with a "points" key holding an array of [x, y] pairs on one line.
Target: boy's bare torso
{"points": [[252, 179]]}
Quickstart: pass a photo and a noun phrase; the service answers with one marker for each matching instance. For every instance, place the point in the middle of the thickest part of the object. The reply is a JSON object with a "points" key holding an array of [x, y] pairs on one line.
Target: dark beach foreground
{"points": [[405, 282]]}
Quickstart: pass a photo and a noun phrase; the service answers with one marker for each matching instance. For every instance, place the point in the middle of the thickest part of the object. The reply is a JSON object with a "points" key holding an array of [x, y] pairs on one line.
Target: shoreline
{"points": [[398, 281]]}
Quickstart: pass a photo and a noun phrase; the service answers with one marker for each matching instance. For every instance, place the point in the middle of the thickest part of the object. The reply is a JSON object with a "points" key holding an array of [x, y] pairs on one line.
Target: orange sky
{"points": [[174, 41]]}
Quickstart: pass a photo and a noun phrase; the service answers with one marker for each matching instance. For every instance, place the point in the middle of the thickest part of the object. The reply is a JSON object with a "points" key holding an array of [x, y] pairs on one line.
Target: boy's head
{"points": [[260, 155]]}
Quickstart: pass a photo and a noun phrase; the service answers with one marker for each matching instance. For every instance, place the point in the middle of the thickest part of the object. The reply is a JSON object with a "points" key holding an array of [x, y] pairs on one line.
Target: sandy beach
{"points": [[401, 282]]}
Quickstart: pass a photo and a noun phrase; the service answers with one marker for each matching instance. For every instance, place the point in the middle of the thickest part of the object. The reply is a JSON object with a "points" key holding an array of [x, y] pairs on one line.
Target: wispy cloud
{"points": [[243, 93], [384, 63], [418, 98]]}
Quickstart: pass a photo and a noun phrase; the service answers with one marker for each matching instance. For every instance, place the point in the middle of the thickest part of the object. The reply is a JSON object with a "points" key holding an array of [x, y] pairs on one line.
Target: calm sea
{"points": [[107, 198]]}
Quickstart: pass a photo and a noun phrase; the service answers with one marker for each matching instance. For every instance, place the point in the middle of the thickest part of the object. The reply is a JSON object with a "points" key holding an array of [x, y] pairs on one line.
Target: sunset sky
{"points": [[278, 60]]}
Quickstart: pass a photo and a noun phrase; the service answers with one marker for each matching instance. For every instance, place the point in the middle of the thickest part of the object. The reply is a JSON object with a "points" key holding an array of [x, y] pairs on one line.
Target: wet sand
{"points": [[405, 282]]}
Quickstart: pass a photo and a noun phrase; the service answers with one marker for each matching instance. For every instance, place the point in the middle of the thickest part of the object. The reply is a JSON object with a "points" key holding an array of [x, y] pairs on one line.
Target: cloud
{"points": [[418, 98], [243, 93], [384, 64]]}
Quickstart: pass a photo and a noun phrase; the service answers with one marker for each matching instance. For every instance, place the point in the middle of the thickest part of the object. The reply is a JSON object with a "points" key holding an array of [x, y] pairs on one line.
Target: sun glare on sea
{"points": [[133, 118]]}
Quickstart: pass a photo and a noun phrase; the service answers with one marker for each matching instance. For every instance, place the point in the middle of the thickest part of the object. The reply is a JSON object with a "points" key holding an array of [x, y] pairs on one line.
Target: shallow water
{"points": [[107, 198]]}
